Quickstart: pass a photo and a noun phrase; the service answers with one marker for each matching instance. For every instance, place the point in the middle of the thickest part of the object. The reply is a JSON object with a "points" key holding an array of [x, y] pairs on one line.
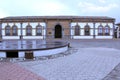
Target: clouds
{"points": [[100, 8], [59, 7], [3, 13], [102, 1], [50, 8], [54, 7], [36, 7], [95, 8]]}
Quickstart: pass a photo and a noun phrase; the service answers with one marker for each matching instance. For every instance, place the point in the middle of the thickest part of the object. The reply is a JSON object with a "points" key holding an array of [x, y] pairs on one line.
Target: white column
{"points": [[72, 32], [21, 30], [94, 30], [118, 32], [0, 31], [113, 29], [62, 32], [44, 33]]}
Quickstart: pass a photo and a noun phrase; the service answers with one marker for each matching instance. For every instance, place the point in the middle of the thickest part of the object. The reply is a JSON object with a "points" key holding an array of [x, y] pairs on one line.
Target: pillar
{"points": [[0, 31], [21, 30], [43, 32], [63, 33], [94, 30], [71, 30], [113, 29], [118, 32], [46, 24]]}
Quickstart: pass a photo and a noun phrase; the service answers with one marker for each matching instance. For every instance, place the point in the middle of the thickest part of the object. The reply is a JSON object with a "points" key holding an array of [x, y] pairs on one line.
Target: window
{"points": [[77, 30], [87, 30], [38, 30], [14, 30], [100, 30], [107, 30], [7, 30], [29, 30]]}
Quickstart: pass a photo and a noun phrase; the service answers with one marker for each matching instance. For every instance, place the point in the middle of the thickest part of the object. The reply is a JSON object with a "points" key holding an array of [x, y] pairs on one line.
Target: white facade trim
{"points": [[32, 37], [82, 37], [11, 37], [104, 37]]}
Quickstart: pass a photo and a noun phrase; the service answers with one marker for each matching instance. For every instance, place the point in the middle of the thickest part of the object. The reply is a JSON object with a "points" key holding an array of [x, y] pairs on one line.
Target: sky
{"points": [[108, 8]]}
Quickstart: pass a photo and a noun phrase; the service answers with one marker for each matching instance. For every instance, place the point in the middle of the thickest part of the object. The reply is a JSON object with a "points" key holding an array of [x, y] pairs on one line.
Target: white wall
{"points": [[104, 37], [24, 30], [82, 36], [44, 52], [21, 54], [32, 37], [82, 32], [2, 54], [11, 37], [50, 51]]}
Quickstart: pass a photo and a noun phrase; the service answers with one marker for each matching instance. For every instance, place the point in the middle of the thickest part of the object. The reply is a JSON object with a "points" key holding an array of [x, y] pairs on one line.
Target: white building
{"points": [[64, 27]]}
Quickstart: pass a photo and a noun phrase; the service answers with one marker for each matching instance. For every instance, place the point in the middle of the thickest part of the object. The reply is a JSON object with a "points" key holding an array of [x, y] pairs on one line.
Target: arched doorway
{"points": [[58, 31]]}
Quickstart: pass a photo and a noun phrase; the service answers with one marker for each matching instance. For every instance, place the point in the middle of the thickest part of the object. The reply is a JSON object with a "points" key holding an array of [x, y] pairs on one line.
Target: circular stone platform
{"points": [[31, 48]]}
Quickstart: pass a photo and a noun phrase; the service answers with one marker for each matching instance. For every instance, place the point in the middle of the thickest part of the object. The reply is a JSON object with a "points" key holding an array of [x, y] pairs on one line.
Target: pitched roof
{"points": [[57, 17], [38, 18]]}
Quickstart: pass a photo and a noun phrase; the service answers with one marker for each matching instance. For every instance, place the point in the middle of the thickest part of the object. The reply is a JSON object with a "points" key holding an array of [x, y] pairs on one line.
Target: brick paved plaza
{"points": [[90, 60], [12, 71]]}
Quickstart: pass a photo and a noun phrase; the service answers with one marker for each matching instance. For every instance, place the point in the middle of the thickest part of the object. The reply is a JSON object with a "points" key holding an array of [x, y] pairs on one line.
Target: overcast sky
{"points": [[110, 8]]}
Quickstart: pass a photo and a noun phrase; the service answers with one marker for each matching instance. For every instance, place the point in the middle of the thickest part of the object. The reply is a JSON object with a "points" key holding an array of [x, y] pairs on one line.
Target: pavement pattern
{"points": [[114, 74], [90, 60], [93, 60], [12, 71]]}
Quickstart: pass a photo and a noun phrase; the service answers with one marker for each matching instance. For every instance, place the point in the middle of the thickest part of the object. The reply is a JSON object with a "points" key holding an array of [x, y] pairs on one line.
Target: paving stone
{"points": [[114, 74], [90, 60], [12, 71]]}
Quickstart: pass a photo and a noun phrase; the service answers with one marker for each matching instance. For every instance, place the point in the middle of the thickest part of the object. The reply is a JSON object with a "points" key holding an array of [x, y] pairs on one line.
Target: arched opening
{"points": [[14, 30], [39, 30], [87, 30], [100, 30], [77, 30], [7, 30], [29, 30], [58, 31], [107, 30]]}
